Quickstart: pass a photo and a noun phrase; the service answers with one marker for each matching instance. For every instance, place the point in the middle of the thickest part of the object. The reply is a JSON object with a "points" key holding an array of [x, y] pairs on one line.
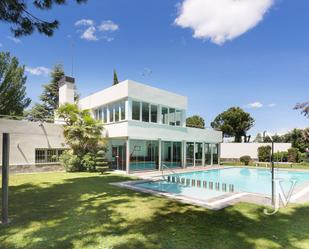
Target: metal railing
{"points": [[169, 169]]}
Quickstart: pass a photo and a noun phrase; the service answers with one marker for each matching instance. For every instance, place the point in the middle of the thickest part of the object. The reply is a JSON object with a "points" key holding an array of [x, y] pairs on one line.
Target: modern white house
{"points": [[146, 127]]}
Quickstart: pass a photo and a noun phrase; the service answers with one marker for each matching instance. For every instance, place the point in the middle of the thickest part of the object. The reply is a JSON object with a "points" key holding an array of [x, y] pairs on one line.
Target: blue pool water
{"points": [[244, 180]]}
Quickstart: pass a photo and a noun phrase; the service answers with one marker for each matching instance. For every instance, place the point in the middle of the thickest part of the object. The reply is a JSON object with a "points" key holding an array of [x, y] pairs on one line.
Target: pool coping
{"points": [[301, 194]]}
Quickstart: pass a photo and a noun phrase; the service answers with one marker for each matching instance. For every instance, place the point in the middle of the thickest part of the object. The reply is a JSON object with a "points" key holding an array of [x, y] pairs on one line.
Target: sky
{"points": [[224, 53]]}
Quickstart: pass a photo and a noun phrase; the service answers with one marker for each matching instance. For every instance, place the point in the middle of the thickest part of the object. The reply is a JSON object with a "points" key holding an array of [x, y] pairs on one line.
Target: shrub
{"points": [[70, 161], [89, 161], [281, 156], [245, 159], [264, 153], [293, 155]]}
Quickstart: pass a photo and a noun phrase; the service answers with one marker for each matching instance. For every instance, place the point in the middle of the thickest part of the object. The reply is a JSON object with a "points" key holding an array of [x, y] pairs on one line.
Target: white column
{"points": [[128, 156], [128, 105], [203, 155], [194, 151], [160, 153]]}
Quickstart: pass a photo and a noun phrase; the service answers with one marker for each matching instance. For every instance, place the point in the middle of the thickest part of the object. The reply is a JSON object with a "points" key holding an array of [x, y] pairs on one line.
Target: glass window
{"points": [[143, 155], [111, 113], [164, 115], [96, 114], [177, 154], [105, 114], [136, 110], [198, 154], [154, 113], [207, 154], [172, 116], [122, 110], [190, 154], [145, 112], [215, 154], [47, 155], [178, 118], [116, 107]]}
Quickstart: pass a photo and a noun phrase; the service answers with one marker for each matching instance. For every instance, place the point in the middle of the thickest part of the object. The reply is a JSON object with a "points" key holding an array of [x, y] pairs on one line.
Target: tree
{"points": [[84, 136], [49, 97], [16, 13], [233, 122], [264, 153], [195, 122], [258, 138], [298, 139], [13, 98], [304, 107], [115, 80]]}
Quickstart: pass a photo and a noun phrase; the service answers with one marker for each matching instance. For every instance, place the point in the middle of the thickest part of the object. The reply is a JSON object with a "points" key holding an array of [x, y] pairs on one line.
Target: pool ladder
{"points": [[172, 171]]}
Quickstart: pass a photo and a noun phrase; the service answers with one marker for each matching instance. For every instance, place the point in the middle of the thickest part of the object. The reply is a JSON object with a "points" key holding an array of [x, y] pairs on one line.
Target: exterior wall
{"points": [[236, 150], [25, 136], [133, 90]]}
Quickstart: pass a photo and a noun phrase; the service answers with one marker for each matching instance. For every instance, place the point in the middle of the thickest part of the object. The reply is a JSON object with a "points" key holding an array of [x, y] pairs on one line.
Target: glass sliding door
{"points": [[207, 154], [198, 154], [176, 154], [171, 154], [119, 157], [143, 155], [190, 154], [215, 154]]}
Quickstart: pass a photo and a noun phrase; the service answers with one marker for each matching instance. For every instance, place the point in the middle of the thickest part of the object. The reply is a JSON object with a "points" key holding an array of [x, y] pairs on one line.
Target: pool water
{"points": [[243, 179]]}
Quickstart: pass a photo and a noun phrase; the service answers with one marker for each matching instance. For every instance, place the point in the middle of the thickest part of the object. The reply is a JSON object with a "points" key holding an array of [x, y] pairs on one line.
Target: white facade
{"points": [[154, 121]]}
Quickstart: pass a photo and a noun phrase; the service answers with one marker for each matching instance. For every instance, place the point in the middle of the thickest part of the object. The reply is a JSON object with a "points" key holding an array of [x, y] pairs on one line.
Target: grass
{"points": [[82, 210]]}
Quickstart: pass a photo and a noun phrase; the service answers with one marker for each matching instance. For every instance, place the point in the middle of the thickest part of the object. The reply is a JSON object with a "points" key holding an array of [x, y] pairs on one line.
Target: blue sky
{"points": [[255, 56]]}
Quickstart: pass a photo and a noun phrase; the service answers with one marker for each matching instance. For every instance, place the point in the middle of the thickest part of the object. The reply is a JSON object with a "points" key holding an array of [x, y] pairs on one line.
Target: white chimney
{"points": [[66, 90]]}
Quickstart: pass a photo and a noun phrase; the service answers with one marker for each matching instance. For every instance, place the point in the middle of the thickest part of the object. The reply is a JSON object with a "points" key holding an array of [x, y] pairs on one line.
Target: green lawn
{"points": [[81, 210]]}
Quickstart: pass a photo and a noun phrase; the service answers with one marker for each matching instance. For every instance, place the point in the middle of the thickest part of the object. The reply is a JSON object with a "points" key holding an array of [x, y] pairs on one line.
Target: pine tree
{"points": [[13, 98], [115, 82], [49, 97]]}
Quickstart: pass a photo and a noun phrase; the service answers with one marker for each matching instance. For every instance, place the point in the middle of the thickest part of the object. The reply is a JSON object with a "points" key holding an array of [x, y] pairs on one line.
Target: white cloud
{"points": [[38, 70], [221, 20], [94, 32], [271, 105], [89, 34], [14, 39], [256, 104], [108, 26], [84, 22]]}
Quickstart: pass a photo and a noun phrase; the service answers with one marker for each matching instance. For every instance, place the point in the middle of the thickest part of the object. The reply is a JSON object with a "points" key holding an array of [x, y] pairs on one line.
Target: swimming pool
{"points": [[256, 181]]}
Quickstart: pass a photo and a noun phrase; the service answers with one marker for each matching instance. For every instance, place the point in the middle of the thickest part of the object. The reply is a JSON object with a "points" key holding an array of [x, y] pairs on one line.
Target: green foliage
{"points": [[281, 156], [264, 153], [49, 98], [16, 13], [245, 159], [13, 98], [83, 134], [293, 155], [100, 160], [71, 162], [89, 161], [115, 80], [234, 122], [195, 121]]}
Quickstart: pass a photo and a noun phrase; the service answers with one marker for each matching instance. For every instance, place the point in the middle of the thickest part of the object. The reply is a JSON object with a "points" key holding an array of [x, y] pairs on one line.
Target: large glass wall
{"points": [[190, 154], [171, 154], [198, 154], [143, 155], [207, 154], [215, 154], [136, 107], [113, 112]]}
